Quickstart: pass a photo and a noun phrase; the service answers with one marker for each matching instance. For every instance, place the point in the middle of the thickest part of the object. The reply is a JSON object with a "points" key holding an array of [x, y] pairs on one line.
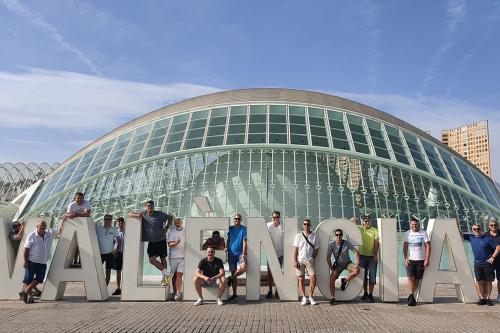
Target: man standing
{"points": [[305, 250], [368, 257], [176, 240], [340, 249], [216, 241], [79, 207], [154, 228], [210, 273], [236, 253], [493, 233], [118, 246], [36, 254], [416, 252], [106, 234], [276, 232], [485, 251]]}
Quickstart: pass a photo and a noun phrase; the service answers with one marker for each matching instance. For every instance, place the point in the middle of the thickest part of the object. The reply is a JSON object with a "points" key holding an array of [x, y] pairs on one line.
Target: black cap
{"points": [[365, 217], [414, 218], [16, 224]]}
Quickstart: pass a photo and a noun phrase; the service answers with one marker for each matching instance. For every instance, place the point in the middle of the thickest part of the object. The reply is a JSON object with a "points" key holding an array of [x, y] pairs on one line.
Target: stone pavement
{"points": [[75, 314]]}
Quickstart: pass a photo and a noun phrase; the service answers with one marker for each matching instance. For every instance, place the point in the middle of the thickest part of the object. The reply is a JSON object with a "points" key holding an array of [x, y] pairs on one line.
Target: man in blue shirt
{"points": [[105, 236], [494, 233], [236, 253], [485, 251]]}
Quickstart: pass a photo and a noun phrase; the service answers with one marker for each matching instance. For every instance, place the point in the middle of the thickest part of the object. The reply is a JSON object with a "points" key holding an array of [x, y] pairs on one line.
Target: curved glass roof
{"points": [[291, 124]]}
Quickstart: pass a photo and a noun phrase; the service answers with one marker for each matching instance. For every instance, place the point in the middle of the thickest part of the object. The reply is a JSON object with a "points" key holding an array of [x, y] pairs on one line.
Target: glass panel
{"points": [[214, 141], [488, 194], [468, 177], [237, 125], [194, 137], [452, 169], [339, 137], [157, 137], [435, 162], [216, 127], [176, 133], [298, 139], [415, 151], [235, 139], [397, 145], [66, 176], [358, 134], [100, 158], [318, 127], [118, 151], [82, 167], [137, 144]]}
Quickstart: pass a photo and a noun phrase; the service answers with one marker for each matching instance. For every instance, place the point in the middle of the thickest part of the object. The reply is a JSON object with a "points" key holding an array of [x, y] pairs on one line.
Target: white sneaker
{"points": [[304, 301], [177, 297], [219, 301], [312, 301], [198, 302]]}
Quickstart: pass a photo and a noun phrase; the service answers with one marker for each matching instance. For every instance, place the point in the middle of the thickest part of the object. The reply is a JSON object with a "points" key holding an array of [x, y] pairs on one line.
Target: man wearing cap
{"points": [[416, 251], [485, 251], [494, 233], [368, 256]]}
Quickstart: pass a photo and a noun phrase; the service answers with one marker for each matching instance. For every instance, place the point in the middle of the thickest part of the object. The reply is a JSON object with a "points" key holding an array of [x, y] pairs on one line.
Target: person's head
{"points": [[276, 216], [493, 224], [307, 225], [178, 223], [367, 221], [150, 206], [414, 224], [237, 219], [120, 222], [107, 220], [338, 235], [16, 226], [216, 235], [79, 198], [476, 229], [210, 253], [41, 226]]}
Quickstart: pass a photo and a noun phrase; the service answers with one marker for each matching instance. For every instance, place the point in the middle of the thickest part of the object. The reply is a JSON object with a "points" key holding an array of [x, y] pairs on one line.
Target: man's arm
{"points": [[26, 256], [245, 247], [200, 275], [375, 249], [136, 215], [405, 254], [20, 234], [328, 258], [427, 253], [221, 273], [494, 255], [295, 256]]}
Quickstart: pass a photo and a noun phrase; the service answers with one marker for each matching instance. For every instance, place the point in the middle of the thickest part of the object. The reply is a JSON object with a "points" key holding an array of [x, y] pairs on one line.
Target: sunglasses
{"points": [[338, 235], [476, 229], [237, 218], [307, 223], [276, 217], [108, 219], [493, 225]]}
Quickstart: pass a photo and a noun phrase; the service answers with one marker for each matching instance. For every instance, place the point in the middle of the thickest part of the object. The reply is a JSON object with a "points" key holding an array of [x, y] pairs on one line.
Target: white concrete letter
{"points": [[388, 265]]}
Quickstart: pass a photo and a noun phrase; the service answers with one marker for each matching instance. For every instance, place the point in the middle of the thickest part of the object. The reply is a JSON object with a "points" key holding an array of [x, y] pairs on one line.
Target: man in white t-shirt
{"points": [[305, 250], [79, 207], [416, 251], [176, 240], [276, 232]]}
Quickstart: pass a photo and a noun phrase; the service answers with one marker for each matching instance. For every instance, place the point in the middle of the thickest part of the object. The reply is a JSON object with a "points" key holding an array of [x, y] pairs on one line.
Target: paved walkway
{"points": [[75, 314]]}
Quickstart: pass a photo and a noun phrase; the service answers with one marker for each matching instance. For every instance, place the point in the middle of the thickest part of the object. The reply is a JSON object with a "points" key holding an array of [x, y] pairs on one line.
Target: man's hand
{"points": [[25, 264], [491, 260], [407, 262], [426, 263], [375, 259], [178, 241]]}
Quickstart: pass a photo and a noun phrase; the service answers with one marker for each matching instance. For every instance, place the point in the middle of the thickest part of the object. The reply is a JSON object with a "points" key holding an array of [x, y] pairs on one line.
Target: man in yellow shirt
{"points": [[368, 256]]}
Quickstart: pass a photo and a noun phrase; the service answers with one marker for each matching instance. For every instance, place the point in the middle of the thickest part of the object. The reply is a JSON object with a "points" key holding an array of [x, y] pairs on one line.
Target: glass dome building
{"points": [[306, 154]]}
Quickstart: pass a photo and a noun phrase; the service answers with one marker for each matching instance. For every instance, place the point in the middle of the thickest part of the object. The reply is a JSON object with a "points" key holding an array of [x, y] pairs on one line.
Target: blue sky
{"points": [[71, 71]]}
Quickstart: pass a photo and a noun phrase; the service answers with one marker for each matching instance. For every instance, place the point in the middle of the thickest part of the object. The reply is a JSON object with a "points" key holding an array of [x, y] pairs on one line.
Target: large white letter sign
{"points": [[388, 264], [285, 280], [193, 253], [12, 272], [133, 288], [444, 232], [79, 232], [324, 230]]}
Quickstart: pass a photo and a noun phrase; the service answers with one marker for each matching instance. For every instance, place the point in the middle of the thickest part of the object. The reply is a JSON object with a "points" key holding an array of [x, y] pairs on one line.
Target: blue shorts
{"points": [[370, 268], [234, 262], [204, 284], [34, 271]]}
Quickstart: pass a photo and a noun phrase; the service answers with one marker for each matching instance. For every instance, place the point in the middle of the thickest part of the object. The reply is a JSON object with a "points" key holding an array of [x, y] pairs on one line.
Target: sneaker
{"points": [[229, 281], [343, 283], [276, 295], [219, 301], [164, 282], [332, 301], [169, 277], [489, 302], [370, 297], [312, 301], [481, 302], [21, 295], [411, 300], [304, 301], [177, 297], [364, 297], [24, 297], [269, 294], [198, 302], [233, 298], [171, 297], [37, 292], [117, 292], [30, 300]]}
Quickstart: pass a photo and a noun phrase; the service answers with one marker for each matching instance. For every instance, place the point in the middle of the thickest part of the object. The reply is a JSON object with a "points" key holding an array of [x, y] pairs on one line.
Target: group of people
{"points": [[164, 241]]}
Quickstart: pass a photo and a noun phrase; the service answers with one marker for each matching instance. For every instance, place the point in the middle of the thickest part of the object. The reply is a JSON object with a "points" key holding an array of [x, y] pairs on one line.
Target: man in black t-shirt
{"points": [[210, 273]]}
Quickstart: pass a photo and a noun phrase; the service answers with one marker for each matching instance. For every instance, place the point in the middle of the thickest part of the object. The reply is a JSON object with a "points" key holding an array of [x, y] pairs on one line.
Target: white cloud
{"points": [[369, 10], [28, 142], [39, 21], [455, 13], [66, 100], [434, 114]]}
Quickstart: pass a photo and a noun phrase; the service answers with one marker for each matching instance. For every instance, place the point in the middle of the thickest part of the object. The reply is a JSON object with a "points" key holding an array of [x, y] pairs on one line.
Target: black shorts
{"points": [[109, 259], [484, 272], [118, 262], [496, 267], [415, 269], [157, 249]]}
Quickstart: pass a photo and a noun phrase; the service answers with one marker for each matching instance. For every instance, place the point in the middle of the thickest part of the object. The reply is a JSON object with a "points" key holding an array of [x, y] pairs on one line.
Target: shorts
{"points": [[35, 271], [109, 259], [301, 270], [118, 262], [176, 265], [343, 266], [204, 284], [415, 269], [234, 262], [484, 272], [496, 267], [157, 249], [370, 268]]}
